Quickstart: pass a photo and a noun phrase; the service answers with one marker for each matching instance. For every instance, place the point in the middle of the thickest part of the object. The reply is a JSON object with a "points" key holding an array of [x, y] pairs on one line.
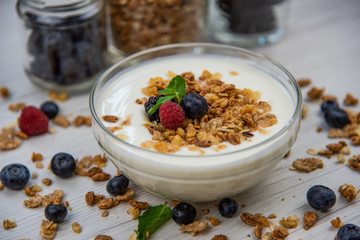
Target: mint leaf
{"points": [[175, 89], [152, 219]]}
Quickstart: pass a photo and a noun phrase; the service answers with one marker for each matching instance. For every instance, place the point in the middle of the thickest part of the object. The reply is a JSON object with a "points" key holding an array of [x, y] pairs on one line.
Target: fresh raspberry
{"points": [[33, 121], [171, 115]]}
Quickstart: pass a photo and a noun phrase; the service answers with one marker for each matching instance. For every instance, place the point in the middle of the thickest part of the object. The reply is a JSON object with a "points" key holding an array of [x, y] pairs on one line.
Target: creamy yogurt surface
{"points": [[119, 95]]}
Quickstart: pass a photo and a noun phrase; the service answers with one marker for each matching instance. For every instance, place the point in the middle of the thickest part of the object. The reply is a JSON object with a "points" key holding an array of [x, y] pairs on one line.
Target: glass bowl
{"points": [[191, 176]]}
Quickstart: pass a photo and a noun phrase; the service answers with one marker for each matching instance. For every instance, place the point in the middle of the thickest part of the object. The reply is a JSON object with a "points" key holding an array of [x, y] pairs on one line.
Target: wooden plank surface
{"points": [[322, 42]]}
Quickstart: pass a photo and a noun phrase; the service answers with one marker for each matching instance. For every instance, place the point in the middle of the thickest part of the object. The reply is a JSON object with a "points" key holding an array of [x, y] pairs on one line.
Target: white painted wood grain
{"points": [[323, 43]]}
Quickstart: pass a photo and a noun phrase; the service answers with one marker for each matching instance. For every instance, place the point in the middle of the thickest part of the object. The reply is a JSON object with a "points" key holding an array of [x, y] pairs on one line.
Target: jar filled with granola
{"points": [[140, 24], [64, 42], [248, 22]]}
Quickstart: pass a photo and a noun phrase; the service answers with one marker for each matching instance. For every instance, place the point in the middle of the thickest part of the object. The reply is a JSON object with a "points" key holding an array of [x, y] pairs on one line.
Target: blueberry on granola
{"points": [[329, 105], [50, 109], [184, 213], [228, 207], [321, 197], [15, 176], [348, 232], [336, 118], [194, 105], [63, 165], [55, 212], [149, 104], [117, 185]]}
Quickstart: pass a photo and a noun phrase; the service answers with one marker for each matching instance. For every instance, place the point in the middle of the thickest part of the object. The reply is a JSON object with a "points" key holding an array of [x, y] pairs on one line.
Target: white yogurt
{"points": [[119, 96]]}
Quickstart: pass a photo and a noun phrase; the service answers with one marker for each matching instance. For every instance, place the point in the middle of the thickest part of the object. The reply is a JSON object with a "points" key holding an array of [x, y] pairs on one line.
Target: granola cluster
{"points": [[140, 24], [233, 116]]}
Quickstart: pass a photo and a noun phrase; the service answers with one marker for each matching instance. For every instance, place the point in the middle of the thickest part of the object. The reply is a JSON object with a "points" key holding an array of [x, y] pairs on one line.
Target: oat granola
{"points": [[336, 223], [310, 219], [289, 222], [48, 229], [76, 227], [307, 164], [8, 224], [194, 228], [349, 192]]}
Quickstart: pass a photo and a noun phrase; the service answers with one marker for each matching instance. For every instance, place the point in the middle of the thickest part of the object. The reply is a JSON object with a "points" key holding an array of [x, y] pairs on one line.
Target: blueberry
{"points": [[349, 232], [184, 213], [35, 42], [71, 69], [15, 176], [43, 67], [50, 109], [117, 185], [194, 105], [63, 165], [228, 207], [55, 212], [321, 198], [329, 105], [336, 118]]}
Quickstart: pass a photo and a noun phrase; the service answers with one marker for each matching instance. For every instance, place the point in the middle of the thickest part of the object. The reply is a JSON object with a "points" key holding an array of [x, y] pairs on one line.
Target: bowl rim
{"points": [[104, 76]]}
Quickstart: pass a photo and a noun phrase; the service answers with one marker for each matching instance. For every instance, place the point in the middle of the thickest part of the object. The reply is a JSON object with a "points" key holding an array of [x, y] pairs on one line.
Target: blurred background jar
{"points": [[248, 22], [136, 25], [64, 42]]}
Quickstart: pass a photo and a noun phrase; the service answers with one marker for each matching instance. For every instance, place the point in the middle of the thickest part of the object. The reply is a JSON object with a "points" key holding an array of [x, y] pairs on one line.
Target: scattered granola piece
{"points": [[76, 227], [341, 158], [46, 181], [39, 165], [319, 129], [337, 133], [101, 176], [92, 171], [249, 219], [328, 97], [194, 228], [16, 107], [110, 118], [21, 135], [324, 152], [175, 202], [304, 111], [354, 162], [219, 237], [99, 160], [8, 224], [85, 162], [61, 121], [345, 150], [350, 100], [303, 82], [58, 96], [79, 121], [103, 237], [310, 219], [7, 141], [134, 212], [349, 192], [272, 216], [289, 222], [264, 221], [33, 190], [1, 186], [36, 157], [4, 92], [312, 151], [105, 213], [33, 202], [34, 175], [213, 220], [258, 231], [48, 229], [141, 205], [106, 203], [315, 93], [280, 232], [355, 140], [125, 196], [336, 147], [53, 198], [336, 223], [205, 211], [308, 164]]}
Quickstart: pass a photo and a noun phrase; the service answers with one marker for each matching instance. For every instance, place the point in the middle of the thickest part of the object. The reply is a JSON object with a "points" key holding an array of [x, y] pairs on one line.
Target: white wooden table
{"points": [[323, 43]]}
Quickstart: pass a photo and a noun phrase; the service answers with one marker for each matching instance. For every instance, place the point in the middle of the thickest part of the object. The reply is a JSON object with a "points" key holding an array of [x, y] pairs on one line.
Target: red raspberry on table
{"points": [[172, 115], [33, 121]]}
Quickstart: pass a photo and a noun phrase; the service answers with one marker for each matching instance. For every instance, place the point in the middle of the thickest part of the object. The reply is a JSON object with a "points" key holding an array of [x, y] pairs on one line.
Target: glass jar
{"points": [[136, 25], [64, 42], [248, 22]]}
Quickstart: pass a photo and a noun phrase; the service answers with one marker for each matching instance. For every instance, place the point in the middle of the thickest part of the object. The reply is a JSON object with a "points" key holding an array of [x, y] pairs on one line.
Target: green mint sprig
{"points": [[151, 220], [175, 89]]}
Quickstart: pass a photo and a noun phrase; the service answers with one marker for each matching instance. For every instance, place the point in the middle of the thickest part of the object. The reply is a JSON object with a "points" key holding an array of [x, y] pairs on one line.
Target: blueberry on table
{"points": [[184, 213], [63, 165], [55, 212], [15, 176], [321, 197], [329, 105], [228, 207], [117, 185], [348, 232], [194, 105], [336, 118], [50, 109]]}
